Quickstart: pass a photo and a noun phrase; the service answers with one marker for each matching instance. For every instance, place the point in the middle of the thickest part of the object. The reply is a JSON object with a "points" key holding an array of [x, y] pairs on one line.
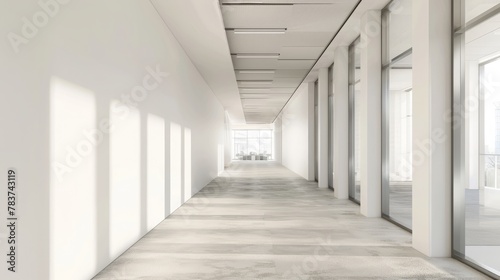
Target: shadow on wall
{"points": [[116, 172]]}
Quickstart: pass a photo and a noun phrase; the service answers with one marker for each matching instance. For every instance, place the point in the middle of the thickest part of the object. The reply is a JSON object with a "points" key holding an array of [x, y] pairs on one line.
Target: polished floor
{"points": [[400, 203], [261, 221]]}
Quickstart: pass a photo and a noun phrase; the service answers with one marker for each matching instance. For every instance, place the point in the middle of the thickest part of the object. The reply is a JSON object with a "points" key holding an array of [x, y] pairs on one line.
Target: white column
{"points": [[432, 103], [228, 147], [323, 128], [310, 134], [341, 123], [370, 115], [278, 138]]}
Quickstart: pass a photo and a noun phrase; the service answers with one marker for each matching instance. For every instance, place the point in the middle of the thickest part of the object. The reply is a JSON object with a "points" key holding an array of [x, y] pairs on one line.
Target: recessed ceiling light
{"points": [[260, 31], [256, 71], [258, 55], [254, 89], [244, 2], [256, 82], [254, 97]]}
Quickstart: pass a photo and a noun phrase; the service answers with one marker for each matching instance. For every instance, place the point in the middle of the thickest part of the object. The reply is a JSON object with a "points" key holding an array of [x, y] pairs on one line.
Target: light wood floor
{"points": [[261, 221]]}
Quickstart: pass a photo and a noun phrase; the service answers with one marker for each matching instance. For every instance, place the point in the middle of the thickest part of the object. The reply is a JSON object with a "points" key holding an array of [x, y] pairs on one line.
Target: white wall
{"points": [[298, 132], [85, 193]]}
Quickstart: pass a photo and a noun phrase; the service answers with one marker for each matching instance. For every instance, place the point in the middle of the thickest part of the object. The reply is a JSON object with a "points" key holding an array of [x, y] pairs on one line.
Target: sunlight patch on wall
{"points": [[155, 170], [73, 180], [187, 164], [175, 166], [125, 177]]}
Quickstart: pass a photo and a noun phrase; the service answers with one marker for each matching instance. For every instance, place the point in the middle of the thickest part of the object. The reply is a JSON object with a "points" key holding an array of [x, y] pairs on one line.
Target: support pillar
{"points": [[432, 133], [341, 123], [371, 114]]}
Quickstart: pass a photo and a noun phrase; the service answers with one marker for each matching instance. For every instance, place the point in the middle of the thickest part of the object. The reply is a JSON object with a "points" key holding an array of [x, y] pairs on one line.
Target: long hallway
{"points": [[261, 221]]}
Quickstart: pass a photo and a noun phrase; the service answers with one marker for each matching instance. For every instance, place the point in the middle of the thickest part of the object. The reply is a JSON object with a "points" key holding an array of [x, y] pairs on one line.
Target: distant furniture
{"points": [[253, 157]]}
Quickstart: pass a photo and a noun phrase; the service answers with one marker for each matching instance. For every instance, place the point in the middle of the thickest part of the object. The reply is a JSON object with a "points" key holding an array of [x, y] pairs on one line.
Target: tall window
{"points": [[397, 109], [248, 143], [354, 119], [476, 138]]}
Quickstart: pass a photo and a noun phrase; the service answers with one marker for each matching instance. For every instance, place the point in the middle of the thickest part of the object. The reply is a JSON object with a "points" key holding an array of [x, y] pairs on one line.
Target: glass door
{"points": [[354, 110], [330, 142], [397, 118], [476, 137]]}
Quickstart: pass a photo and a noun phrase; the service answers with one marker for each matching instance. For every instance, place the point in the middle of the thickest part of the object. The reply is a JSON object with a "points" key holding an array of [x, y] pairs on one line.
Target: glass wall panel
{"points": [[330, 142], [354, 119], [399, 27], [240, 134], [252, 144], [265, 134], [397, 113], [265, 145], [253, 133], [476, 195]]}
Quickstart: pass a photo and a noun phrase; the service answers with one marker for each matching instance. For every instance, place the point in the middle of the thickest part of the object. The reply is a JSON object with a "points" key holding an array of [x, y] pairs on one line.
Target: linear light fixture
{"points": [[254, 89], [263, 82], [256, 71], [242, 2], [259, 31], [274, 3], [258, 55], [255, 3], [254, 98]]}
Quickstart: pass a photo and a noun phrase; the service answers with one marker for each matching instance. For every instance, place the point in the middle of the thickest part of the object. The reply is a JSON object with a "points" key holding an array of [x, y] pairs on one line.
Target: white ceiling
{"points": [[348, 33], [298, 31], [198, 26], [483, 41], [255, 90]]}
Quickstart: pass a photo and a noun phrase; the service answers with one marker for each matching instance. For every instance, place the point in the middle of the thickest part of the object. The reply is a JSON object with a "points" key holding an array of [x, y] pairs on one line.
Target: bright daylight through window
{"points": [[252, 144]]}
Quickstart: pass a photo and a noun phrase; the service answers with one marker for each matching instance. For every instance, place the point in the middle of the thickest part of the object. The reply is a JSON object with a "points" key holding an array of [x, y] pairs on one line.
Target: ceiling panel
{"points": [[318, 18], [300, 52], [287, 2], [292, 34], [262, 102], [257, 16], [308, 39], [290, 73], [295, 64], [255, 43], [254, 63], [257, 76]]}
